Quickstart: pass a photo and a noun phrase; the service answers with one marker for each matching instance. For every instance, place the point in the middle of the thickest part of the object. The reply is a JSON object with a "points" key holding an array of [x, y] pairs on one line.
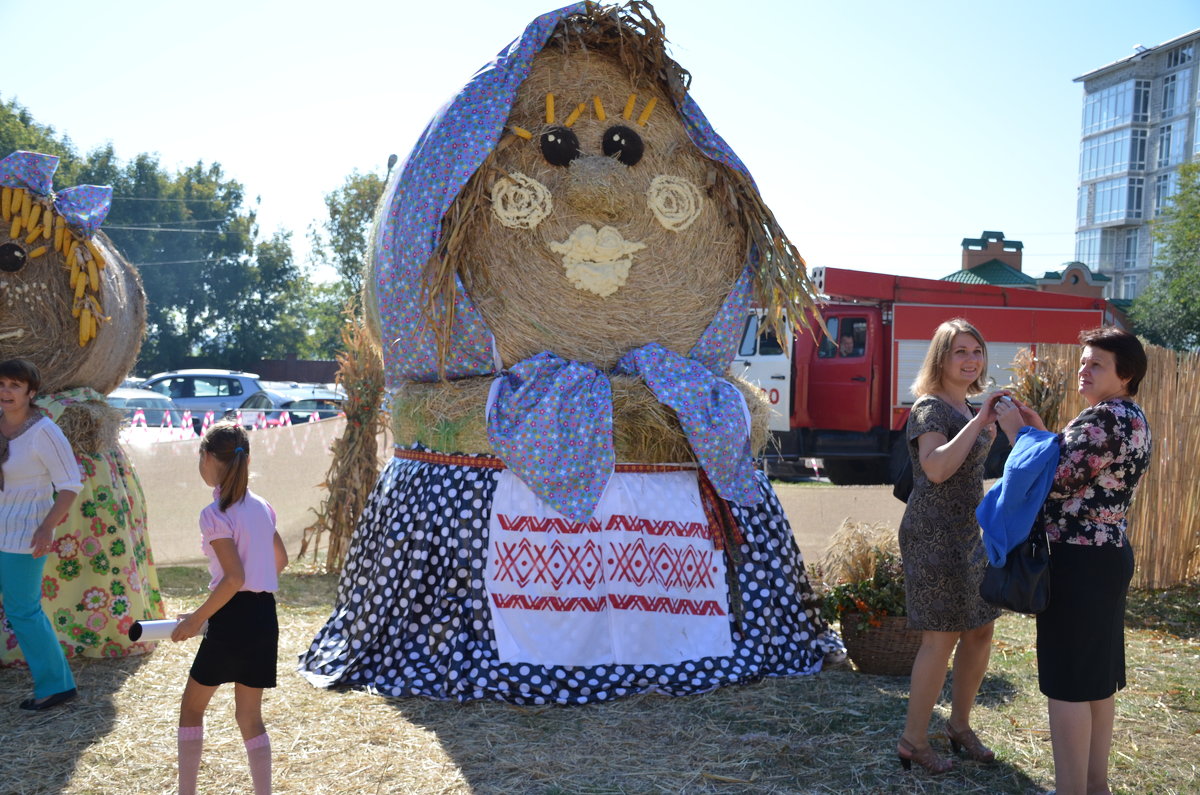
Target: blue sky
{"points": [[880, 133]]}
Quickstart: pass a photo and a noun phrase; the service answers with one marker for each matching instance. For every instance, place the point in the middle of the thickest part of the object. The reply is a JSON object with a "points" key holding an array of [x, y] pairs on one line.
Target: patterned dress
{"points": [[940, 540], [415, 614]]}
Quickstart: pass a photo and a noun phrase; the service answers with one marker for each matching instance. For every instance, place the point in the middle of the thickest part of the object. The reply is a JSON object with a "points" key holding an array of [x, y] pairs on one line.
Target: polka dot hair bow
{"points": [[84, 207]]}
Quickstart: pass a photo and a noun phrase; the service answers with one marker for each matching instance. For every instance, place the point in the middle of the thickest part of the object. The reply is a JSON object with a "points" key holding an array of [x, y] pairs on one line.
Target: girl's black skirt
{"points": [[1081, 635], [241, 644]]}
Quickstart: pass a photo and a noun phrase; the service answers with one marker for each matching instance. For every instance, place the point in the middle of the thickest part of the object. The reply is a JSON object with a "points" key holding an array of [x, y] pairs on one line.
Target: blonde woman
{"points": [[941, 543]]}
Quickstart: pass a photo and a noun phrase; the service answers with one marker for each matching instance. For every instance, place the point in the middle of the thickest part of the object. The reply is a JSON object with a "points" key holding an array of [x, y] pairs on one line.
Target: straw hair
{"points": [[36, 320], [929, 379], [677, 282], [229, 443], [448, 417]]}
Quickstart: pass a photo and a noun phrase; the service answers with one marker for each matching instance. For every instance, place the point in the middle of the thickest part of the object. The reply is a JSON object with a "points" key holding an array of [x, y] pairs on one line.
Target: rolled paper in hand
{"points": [[156, 630]]}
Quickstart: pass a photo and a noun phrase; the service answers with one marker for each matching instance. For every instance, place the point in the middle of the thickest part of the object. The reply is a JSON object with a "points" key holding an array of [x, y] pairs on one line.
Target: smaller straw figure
{"points": [[245, 556]]}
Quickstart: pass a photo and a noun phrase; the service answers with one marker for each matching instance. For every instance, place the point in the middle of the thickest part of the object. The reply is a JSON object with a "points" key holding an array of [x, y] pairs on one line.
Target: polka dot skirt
{"points": [[411, 617]]}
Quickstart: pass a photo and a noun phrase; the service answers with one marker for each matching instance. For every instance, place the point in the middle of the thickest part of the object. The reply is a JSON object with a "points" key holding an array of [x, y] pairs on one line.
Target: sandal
{"points": [[925, 757], [966, 740]]}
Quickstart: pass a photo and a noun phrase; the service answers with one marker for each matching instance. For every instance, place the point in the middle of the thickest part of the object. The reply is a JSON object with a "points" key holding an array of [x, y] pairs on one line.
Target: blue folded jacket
{"points": [[1011, 505]]}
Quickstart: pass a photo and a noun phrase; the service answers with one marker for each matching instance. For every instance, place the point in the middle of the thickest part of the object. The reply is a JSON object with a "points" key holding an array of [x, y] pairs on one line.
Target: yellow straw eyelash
{"points": [[575, 114], [646, 111], [599, 108], [549, 109], [625, 114], [521, 132]]}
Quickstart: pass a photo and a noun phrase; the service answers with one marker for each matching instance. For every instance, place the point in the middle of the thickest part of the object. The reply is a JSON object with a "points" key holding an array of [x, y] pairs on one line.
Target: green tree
{"points": [[343, 240], [213, 289], [1168, 311], [20, 131]]}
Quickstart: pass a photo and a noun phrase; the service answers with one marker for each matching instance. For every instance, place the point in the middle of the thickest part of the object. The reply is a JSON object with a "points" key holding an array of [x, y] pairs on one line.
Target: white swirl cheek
{"points": [[520, 202], [674, 201]]}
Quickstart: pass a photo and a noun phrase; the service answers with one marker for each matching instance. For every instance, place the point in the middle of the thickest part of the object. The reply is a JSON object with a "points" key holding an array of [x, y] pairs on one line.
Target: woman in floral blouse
{"points": [[1080, 637]]}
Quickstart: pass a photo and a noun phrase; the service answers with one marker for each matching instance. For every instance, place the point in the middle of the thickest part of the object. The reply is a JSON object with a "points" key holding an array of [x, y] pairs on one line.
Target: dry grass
{"points": [[831, 733], [852, 552]]}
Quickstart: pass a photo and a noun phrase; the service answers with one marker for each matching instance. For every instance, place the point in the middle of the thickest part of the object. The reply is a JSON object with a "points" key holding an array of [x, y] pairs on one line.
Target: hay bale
{"points": [[36, 320], [676, 283], [448, 417], [91, 426]]}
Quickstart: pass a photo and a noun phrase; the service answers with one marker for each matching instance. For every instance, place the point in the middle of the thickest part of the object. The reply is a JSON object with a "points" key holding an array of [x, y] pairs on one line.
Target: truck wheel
{"points": [[855, 471]]}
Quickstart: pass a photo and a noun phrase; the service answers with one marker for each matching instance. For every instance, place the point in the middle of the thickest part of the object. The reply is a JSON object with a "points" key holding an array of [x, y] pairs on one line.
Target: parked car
{"points": [[302, 403], [159, 410], [201, 391]]}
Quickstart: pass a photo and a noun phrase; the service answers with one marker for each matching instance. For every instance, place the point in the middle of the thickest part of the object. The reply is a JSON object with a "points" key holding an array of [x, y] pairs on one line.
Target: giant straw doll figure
{"points": [[72, 305], [561, 272]]}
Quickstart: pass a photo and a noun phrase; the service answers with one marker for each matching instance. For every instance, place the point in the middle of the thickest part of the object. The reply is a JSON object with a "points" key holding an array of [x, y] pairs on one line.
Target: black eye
{"points": [[623, 144], [12, 257], [559, 146]]}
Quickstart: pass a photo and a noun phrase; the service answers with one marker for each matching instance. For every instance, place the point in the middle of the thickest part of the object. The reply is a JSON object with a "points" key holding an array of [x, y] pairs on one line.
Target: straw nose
{"points": [[599, 187]]}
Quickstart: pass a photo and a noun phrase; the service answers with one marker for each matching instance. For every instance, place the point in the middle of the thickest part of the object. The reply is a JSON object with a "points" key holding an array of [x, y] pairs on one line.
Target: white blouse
{"points": [[40, 460]]}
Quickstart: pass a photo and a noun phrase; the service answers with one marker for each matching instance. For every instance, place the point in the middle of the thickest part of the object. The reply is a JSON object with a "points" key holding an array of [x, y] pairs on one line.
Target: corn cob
{"points": [[96, 255], [6, 204]]}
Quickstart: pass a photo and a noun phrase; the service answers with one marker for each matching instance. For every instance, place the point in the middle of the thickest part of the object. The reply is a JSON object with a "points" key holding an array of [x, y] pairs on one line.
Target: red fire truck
{"points": [[845, 398]]}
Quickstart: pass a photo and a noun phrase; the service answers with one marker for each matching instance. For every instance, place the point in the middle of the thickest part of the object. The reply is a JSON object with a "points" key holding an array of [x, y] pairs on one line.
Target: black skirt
{"points": [[1081, 635], [241, 644]]}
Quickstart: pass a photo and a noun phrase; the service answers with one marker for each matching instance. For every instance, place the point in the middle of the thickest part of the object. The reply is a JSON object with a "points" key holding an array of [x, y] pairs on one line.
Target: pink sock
{"points": [[191, 742], [258, 752]]}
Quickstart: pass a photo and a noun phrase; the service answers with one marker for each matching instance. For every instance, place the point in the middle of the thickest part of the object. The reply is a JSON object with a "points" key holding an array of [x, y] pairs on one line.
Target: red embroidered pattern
{"points": [[559, 564], [660, 604], [524, 563], [538, 524], [629, 524]]}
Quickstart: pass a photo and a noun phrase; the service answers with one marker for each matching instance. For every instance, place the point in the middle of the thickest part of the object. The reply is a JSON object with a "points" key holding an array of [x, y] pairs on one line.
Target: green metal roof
{"points": [[992, 272]]}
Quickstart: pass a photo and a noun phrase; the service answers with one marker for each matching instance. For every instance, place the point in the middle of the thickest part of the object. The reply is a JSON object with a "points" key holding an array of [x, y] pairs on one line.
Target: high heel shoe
{"points": [[967, 741], [926, 758]]}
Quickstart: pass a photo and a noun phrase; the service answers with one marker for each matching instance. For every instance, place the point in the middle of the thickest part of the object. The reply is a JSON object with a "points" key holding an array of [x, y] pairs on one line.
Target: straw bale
{"points": [[677, 282], [36, 321], [449, 417], [90, 426]]}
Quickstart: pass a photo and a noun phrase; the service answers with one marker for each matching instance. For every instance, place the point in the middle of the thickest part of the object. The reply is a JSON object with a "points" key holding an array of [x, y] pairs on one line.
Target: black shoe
{"points": [[50, 701]]}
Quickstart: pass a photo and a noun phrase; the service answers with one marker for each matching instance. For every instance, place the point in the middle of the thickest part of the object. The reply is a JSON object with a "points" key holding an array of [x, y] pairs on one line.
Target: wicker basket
{"points": [[888, 650]]}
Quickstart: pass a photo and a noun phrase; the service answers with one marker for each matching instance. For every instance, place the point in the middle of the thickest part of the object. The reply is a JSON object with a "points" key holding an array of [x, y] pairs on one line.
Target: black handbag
{"points": [[904, 481], [1022, 584]]}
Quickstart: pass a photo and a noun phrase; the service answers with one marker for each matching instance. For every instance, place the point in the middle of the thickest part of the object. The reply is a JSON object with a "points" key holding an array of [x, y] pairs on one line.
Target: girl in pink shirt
{"points": [[245, 555]]}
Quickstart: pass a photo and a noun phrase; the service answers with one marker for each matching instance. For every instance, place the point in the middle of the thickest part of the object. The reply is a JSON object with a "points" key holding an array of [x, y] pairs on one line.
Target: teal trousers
{"points": [[21, 592]]}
